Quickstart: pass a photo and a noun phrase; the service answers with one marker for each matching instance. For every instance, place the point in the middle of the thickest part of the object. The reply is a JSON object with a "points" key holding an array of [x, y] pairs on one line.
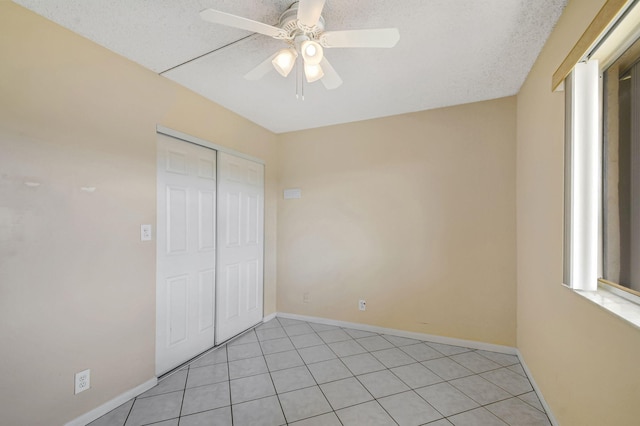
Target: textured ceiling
{"points": [[450, 52]]}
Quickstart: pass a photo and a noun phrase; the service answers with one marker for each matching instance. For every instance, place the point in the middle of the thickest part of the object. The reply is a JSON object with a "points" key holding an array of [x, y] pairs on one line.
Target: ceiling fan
{"points": [[302, 28]]}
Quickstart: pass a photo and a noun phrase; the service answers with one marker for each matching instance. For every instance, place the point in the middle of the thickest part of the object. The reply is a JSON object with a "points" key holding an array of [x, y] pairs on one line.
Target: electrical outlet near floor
{"points": [[362, 305], [83, 381], [305, 297]]}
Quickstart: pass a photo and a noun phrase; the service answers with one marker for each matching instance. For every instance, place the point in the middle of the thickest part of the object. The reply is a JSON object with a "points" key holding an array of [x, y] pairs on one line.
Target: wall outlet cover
{"points": [[83, 381], [145, 232]]}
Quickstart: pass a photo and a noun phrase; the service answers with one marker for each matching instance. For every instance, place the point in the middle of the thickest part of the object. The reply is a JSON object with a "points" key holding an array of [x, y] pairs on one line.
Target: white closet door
{"points": [[240, 245], [186, 245]]}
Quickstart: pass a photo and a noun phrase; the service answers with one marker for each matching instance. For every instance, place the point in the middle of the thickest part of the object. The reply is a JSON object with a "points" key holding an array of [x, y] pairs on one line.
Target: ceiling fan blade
{"points": [[229, 20], [331, 79], [258, 72], [309, 12], [381, 37]]}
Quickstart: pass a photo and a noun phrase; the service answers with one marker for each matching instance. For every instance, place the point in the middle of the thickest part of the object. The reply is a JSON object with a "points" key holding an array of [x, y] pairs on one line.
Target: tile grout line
{"points": [[271, 377], [311, 374], [129, 412], [500, 366], [369, 352], [226, 349]]}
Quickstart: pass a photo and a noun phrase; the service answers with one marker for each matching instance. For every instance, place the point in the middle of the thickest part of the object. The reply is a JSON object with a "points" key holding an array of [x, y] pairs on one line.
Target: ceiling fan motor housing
{"points": [[289, 23]]}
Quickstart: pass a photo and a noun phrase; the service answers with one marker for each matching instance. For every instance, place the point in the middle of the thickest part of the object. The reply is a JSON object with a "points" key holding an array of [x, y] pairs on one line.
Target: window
{"points": [[602, 165], [621, 172]]}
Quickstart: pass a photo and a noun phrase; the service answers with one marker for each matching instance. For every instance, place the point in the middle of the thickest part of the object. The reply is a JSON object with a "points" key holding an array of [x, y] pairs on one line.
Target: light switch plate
{"points": [[145, 232]]}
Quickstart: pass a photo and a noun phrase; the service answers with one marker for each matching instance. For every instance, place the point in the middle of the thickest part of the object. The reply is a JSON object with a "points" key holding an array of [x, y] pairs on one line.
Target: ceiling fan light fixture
{"points": [[312, 52], [284, 61], [313, 72]]}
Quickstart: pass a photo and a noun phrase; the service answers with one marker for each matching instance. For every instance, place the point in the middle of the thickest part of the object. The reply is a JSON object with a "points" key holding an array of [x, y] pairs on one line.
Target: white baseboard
{"points": [[546, 407], [269, 317], [409, 334], [113, 404]]}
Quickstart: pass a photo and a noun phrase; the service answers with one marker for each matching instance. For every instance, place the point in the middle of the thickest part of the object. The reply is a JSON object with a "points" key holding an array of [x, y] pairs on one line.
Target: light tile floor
{"points": [[289, 372]]}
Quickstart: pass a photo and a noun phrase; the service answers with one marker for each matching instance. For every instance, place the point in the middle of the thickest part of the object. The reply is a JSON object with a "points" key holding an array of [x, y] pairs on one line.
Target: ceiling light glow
{"points": [[313, 72], [311, 52], [284, 61]]}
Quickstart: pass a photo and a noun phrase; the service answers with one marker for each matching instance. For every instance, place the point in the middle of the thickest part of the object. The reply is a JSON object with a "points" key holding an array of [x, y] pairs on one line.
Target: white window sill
{"points": [[608, 299]]}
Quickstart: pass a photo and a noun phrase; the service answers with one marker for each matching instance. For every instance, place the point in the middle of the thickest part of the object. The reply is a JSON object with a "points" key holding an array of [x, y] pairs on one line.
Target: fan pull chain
{"points": [[297, 77]]}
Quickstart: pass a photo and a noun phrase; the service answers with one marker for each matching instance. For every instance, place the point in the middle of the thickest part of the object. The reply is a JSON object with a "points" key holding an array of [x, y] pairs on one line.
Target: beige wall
{"points": [[414, 213], [584, 359], [77, 287]]}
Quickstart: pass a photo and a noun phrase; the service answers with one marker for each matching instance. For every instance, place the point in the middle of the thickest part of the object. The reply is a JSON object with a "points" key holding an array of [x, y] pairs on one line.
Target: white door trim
{"points": [[195, 140]]}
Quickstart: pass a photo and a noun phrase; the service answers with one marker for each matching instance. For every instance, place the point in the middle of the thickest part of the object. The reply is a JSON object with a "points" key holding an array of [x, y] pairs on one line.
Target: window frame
{"points": [[585, 158]]}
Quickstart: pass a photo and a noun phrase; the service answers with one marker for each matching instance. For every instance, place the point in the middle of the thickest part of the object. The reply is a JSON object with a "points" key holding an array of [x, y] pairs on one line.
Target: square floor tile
{"points": [[532, 399], [276, 345], [393, 357], [447, 368], [306, 340], [346, 348], [503, 359], [205, 398], [329, 419], [316, 354], [480, 390], [474, 362], [322, 327], [218, 417], [115, 417], [446, 399], [303, 403], [416, 375], [252, 387], [248, 337], [374, 343], [283, 360], [172, 383], [357, 334], [400, 341], [517, 368], [331, 336], [362, 363], [272, 323], [271, 333], [289, 321], [328, 371], [247, 367], [408, 409], [517, 413], [344, 393], [477, 417], [448, 350], [217, 356], [170, 422], [295, 330], [421, 352], [292, 379], [247, 350], [369, 413], [441, 422], [512, 382], [155, 409], [382, 383], [260, 412], [207, 375]]}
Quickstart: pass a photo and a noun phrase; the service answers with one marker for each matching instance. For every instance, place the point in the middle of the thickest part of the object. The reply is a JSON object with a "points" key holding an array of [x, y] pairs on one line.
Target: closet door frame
{"points": [[220, 149]]}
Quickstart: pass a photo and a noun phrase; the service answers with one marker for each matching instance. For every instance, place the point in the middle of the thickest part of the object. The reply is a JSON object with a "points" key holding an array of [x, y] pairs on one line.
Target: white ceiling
{"points": [[450, 52]]}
